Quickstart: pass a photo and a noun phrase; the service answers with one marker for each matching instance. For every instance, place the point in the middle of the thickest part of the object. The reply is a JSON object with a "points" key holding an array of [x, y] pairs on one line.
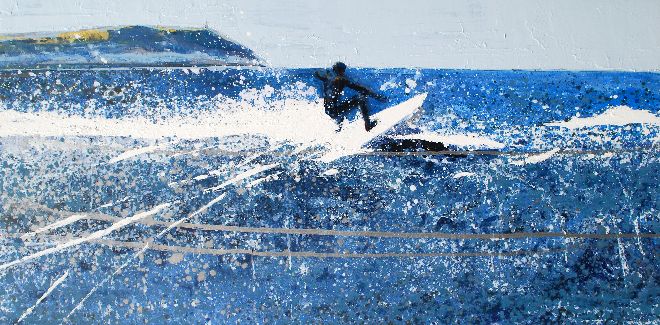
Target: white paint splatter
{"points": [[124, 199], [622, 257], [388, 85], [268, 178], [412, 84]]}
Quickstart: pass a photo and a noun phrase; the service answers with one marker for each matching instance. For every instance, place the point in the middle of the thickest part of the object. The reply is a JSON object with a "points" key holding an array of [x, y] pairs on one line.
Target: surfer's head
{"points": [[339, 68]]}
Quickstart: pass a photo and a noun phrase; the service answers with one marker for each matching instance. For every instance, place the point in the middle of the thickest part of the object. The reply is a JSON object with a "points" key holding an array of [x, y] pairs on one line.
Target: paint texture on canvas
{"points": [[167, 175]]}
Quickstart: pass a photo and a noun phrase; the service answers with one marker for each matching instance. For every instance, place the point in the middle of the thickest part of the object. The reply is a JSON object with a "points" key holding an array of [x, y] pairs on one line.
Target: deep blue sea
{"points": [[538, 223]]}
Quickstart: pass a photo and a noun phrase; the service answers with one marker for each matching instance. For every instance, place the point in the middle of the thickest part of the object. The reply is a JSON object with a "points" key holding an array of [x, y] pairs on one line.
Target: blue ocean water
{"points": [[424, 238]]}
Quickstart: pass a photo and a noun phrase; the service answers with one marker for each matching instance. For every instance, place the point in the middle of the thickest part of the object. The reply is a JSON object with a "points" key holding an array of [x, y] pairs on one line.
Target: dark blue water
{"points": [[573, 236]]}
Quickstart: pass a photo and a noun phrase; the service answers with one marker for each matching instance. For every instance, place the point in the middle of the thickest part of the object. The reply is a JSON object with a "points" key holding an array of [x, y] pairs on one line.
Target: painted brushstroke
{"points": [[202, 193]]}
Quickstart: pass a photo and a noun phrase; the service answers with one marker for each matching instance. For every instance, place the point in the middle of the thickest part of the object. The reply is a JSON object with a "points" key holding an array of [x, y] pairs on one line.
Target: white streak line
{"points": [[95, 235], [242, 176], [61, 223], [141, 251], [113, 203], [268, 178], [46, 294], [535, 159], [248, 160], [135, 152]]}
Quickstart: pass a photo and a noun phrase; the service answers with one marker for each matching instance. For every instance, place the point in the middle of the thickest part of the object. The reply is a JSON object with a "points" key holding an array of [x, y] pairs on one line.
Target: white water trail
{"points": [[289, 120], [52, 287], [95, 235]]}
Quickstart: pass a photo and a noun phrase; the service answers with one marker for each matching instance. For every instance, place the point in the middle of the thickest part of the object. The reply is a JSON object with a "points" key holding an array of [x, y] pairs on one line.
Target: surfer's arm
{"points": [[365, 91], [323, 76]]}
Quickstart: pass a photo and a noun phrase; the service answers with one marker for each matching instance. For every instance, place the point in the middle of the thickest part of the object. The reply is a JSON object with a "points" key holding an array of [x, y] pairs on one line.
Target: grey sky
{"points": [[474, 34]]}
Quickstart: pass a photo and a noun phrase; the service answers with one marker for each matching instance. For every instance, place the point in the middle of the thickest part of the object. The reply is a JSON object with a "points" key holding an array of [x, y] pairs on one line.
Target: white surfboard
{"points": [[353, 136]]}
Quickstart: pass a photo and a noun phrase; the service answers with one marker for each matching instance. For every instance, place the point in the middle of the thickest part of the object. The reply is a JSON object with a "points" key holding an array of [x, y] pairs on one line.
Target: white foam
{"points": [[294, 120], [618, 115], [330, 172], [297, 121], [463, 174]]}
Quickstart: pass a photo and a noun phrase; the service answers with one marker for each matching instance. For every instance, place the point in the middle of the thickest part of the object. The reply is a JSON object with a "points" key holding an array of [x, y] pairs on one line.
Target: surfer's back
{"points": [[333, 85]]}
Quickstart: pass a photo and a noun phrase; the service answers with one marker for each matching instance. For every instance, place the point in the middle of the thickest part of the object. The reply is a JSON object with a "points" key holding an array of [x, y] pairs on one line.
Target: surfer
{"points": [[334, 82]]}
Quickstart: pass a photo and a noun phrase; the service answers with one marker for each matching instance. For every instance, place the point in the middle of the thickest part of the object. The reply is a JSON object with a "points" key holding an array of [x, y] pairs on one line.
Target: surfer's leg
{"points": [[344, 107], [361, 102], [336, 115]]}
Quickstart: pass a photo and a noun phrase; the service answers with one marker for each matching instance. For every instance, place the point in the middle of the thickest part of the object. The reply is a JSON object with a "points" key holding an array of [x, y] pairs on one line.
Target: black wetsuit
{"points": [[335, 107]]}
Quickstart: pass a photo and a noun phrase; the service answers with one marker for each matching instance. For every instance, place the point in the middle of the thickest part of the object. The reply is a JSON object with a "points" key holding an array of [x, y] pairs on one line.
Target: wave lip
{"points": [[616, 116]]}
